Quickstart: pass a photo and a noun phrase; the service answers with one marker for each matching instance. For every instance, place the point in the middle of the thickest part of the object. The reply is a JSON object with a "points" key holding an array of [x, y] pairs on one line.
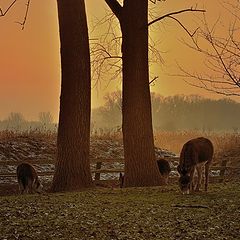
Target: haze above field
{"points": [[30, 60]]}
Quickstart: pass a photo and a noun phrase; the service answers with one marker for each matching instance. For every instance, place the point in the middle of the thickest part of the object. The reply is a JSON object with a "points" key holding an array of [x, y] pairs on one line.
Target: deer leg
{"points": [[192, 179], [199, 179], [29, 186], [207, 165], [166, 181], [21, 188]]}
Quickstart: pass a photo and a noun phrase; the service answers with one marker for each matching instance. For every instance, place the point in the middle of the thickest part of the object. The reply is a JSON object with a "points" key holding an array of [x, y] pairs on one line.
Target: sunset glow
{"points": [[30, 59]]}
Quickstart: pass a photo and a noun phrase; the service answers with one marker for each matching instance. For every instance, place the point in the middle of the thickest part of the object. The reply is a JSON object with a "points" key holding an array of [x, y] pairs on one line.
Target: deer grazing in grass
{"points": [[28, 179], [195, 153]]}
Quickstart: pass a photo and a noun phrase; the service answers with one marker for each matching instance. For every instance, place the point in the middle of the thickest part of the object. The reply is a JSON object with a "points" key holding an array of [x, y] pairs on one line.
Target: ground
{"points": [[136, 213], [111, 214]]}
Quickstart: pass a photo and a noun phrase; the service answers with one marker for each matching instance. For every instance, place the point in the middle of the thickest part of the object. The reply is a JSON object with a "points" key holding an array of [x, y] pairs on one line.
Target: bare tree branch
{"points": [[25, 16], [175, 13], [106, 52], [222, 57], [106, 55], [155, 1], [213, 90], [153, 80], [186, 30], [3, 13]]}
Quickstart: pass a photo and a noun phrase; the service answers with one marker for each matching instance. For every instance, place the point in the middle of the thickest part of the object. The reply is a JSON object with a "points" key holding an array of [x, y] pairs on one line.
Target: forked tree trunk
{"points": [[73, 141], [140, 163]]}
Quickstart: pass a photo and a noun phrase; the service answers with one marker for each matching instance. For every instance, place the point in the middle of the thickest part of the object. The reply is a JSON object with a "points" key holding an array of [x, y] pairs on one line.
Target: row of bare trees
{"points": [[173, 113], [17, 122]]}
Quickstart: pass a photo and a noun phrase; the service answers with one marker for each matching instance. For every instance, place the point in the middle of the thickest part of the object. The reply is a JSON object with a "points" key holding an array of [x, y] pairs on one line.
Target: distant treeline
{"points": [[16, 122], [175, 113]]}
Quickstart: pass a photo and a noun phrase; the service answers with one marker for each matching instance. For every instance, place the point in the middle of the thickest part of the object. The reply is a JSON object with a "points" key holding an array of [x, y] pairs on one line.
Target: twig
{"points": [[188, 32], [153, 80], [155, 1], [222, 59], [189, 206], [9, 7], [175, 13], [25, 16]]}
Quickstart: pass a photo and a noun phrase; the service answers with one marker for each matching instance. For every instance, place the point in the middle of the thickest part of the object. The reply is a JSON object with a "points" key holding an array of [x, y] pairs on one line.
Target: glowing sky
{"points": [[30, 59]]}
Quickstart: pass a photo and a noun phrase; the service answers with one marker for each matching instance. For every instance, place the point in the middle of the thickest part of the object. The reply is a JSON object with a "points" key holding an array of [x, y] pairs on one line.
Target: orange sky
{"points": [[30, 63]]}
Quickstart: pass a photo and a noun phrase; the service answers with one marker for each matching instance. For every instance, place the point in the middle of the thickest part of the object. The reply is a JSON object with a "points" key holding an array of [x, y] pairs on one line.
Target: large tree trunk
{"points": [[140, 163], [73, 142]]}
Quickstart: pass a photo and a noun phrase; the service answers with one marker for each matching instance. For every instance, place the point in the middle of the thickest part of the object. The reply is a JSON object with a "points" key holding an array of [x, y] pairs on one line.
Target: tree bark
{"points": [[73, 142], [140, 163]]}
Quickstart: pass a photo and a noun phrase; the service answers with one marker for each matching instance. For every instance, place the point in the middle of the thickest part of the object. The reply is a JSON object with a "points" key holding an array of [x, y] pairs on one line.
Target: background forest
{"points": [[172, 113], [175, 113]]}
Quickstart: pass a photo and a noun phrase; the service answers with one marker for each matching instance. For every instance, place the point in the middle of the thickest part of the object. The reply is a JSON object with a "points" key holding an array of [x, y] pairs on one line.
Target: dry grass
{"points": [[224, 143], [37, 134], [174, 141], [106, 134]]}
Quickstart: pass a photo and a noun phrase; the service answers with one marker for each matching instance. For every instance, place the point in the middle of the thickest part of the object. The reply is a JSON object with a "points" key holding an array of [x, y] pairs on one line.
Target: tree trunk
{"points": [[73, 141], [140, 163]]}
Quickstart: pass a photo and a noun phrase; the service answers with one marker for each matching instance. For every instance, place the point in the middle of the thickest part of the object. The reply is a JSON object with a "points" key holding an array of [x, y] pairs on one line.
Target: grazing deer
{"points": [[164, 169], [28, 179], [195, 153]]}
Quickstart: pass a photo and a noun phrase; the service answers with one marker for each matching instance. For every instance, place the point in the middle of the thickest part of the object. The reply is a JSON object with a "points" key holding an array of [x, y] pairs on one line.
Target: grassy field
{"points": [[142, 213]]}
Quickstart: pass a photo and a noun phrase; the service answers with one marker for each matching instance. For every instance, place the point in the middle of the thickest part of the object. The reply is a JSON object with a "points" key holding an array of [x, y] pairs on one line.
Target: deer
{"points": [[164, 169], [195, 154], [28, 179]]}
